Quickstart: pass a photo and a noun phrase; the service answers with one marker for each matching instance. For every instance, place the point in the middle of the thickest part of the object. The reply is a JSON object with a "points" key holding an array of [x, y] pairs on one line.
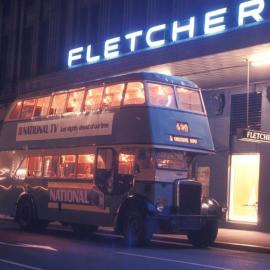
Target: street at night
{"points": [[134, 134], [58, 248]]}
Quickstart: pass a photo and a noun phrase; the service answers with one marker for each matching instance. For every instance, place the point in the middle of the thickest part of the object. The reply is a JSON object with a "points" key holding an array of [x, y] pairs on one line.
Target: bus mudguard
{"points": [[210, 207], [131, 201], [24, 196]]}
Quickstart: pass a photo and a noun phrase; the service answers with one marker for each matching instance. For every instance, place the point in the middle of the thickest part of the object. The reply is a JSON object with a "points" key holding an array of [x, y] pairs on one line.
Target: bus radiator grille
{"points": [[188, 197]]}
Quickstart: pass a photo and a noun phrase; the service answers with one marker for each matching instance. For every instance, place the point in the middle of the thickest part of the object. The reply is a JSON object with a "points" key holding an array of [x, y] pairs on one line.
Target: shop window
{"points": [[42, 106], [161, 95], [244, 188], [134, 94], [67, 166], [93, 99], [113, 96], [50, 166], [126, 163], [16, 110], [85, 166], [22, 170], [28, 108], [58, 104], [75, 101], [189, 100], [105, 158], [34, 167]]}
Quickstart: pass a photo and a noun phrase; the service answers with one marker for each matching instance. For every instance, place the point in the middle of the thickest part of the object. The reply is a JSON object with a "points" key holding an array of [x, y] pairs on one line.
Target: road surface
{"points": [[58, 249]]}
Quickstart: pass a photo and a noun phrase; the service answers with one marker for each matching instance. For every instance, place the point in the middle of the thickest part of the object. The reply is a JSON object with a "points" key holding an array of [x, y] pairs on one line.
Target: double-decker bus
{"points": [[114, 152]]}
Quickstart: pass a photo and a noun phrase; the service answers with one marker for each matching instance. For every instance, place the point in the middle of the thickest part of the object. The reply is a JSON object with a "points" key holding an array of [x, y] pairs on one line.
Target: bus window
{"points": [[104, 160], [28, 108], [67, 166], [134, 94], [75, 100], [34, 167], [50, 166], [145, 159], [171, 160], [161, 95], [58, 104], [189, 100], [16, 110], [85, 166], [126, 163], [42, 106], [113, 95], [22, 170], [93, 99]]}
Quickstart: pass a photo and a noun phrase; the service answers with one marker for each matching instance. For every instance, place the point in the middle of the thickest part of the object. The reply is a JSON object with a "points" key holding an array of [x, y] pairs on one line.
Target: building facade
{"points": [[59, 43]]}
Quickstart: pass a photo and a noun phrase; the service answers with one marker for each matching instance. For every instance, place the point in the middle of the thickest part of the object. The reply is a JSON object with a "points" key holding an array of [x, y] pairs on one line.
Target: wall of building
{"points": [[227, 144], [35, 35]]}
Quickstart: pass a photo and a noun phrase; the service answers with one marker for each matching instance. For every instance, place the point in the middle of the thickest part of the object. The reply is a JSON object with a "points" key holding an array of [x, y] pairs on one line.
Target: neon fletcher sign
{"points": [[214, 23]]}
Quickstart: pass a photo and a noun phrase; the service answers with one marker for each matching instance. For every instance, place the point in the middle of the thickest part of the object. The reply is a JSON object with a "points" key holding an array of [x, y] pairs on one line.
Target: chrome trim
{"points": [[178, 193]]}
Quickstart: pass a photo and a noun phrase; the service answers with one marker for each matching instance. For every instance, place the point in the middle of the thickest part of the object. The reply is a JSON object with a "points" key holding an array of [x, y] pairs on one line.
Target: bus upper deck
{"points": [[139, 108]]}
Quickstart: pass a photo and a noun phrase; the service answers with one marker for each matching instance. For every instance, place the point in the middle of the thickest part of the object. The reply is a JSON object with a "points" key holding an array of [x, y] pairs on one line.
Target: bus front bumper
{"points": [[177, 223]]}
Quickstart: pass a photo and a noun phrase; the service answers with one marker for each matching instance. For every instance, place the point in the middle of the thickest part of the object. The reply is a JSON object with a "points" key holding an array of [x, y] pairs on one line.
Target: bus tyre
{"points": [[26, 215], [135, 232], [205, 236]]}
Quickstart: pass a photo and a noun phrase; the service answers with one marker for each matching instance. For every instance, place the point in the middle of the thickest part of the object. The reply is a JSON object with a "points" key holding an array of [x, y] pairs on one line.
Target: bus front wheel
{"points": [[26, 215], [205, 236], [135, 228]]}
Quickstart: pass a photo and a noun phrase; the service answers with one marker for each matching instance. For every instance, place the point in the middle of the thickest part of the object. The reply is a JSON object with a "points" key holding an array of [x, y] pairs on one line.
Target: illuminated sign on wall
{"points": [[214, 22], [253, 136]]}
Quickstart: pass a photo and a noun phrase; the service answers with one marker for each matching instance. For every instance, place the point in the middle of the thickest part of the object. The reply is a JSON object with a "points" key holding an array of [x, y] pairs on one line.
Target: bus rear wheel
{"points": [[26, 215], [205, 236], [135, 232]]}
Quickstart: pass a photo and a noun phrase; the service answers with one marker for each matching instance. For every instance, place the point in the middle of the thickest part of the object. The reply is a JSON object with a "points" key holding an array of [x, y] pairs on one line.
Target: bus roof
{"points": [[150, 76], [137, 76]]}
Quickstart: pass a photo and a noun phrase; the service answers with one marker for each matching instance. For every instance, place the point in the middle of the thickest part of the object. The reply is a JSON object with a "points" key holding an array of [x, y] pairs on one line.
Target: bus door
{"points": [[105, 171], [126, 171], [114, 173]]}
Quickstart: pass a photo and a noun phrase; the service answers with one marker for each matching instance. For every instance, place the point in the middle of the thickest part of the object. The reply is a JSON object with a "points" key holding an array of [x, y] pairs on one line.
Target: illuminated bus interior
{"points": [[111, 96], [82, 166]]}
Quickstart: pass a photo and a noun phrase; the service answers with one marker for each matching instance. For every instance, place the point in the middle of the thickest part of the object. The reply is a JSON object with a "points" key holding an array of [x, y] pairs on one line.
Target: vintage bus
{"points": [[114, 152]]}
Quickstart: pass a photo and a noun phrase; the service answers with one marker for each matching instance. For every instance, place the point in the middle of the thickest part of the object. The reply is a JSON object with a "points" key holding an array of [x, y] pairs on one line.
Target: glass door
{"points": [[244, 184]]}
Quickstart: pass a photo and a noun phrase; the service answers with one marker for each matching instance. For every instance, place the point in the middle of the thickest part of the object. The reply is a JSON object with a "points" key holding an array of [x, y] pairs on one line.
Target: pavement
{"points": [[253, 241], [242, 240]]}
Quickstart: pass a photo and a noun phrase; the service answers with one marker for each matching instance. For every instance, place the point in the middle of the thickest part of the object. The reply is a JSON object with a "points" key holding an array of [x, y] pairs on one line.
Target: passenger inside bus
{"points": [[93, 99], [134, 94], [85, 166], [113, 96], [75, 100], [67, 166], [161, 95]]}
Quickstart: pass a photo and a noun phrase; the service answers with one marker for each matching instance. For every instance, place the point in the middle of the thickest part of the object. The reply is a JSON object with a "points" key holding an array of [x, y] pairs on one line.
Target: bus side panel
{"points": [[9, 189], [7, 201], [54, 201]]}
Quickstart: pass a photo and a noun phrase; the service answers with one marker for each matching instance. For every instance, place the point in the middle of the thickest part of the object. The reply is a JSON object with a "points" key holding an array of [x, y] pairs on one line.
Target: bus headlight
{"points": [[160, 207]]}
